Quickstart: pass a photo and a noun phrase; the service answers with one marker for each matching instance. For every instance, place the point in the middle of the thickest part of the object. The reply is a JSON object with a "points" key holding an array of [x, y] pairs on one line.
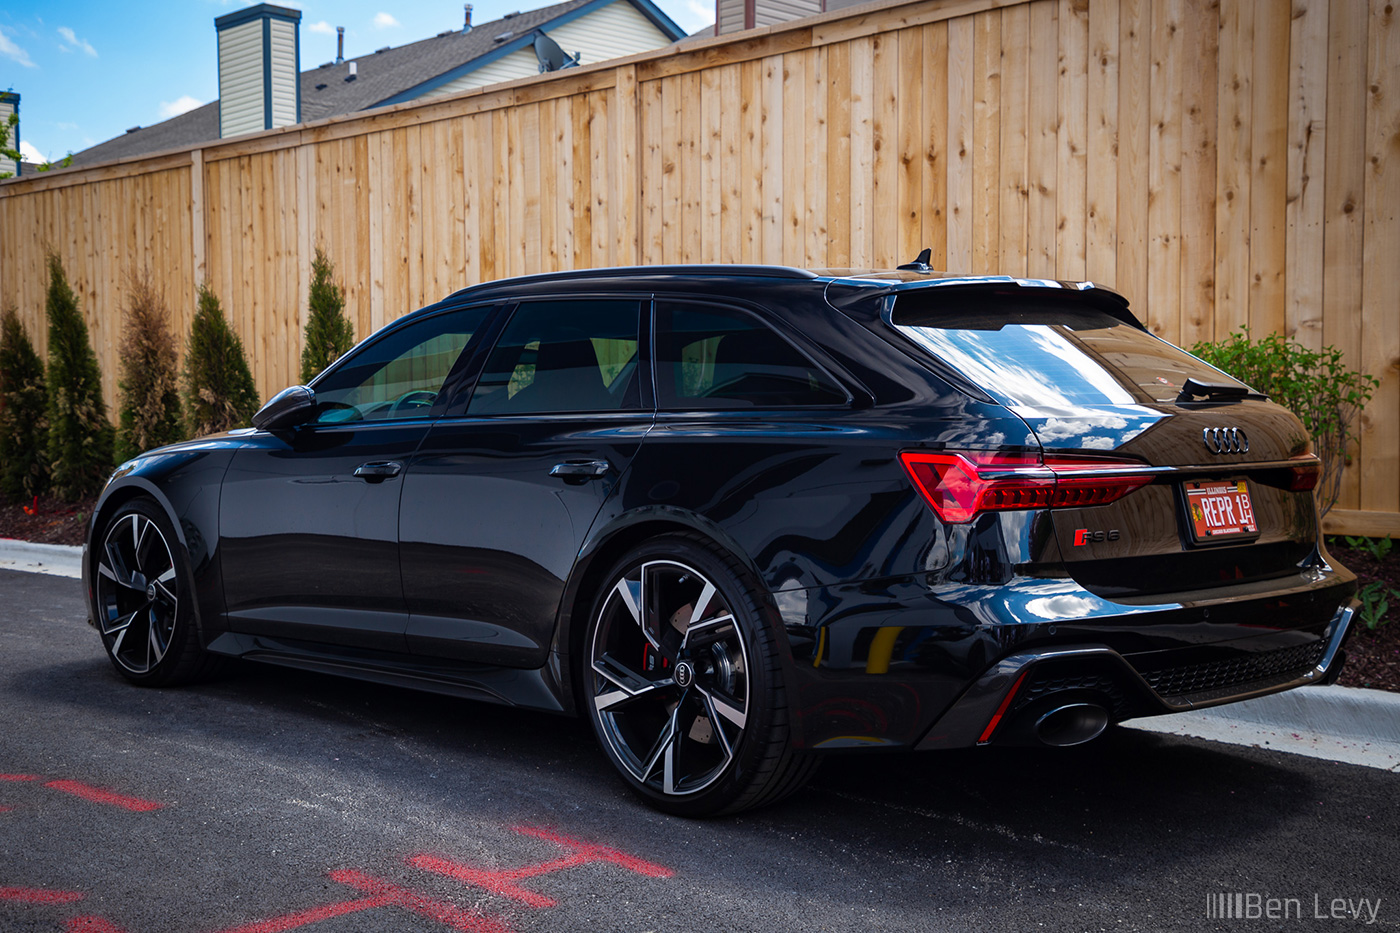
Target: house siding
{"points": [[772, 12], [241, 79], [284, 73], [731, 16], [615, 30], [8, 164]]}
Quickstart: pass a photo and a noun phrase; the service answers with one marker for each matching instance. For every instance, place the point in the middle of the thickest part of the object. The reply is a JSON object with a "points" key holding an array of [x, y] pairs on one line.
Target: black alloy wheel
{"points": [[143, 602], [683, 686]]}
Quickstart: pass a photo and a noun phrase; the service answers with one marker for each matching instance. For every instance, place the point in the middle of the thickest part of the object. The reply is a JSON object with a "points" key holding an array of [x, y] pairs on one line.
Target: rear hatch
{"points": [[1229, 499]]}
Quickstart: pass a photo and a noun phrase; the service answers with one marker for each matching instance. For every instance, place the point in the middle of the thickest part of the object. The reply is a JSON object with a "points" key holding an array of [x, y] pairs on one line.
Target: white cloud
{"points": [[30, 152], [173, 108], [14, 52], [323, 27], [384, 21], [694, 15], [72, 40]]}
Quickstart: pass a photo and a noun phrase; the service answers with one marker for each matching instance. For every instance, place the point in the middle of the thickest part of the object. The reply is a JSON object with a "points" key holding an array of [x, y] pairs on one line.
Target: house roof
{"points": [[383, 77]]}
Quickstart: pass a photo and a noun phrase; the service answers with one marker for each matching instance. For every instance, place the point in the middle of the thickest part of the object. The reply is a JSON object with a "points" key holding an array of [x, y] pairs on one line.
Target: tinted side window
{"points": [[709, 357], [562, 356], [400, 375]]}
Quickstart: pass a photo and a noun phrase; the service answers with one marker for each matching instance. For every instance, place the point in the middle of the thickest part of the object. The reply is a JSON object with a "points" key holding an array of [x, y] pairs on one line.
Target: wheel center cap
{"points": [[151, 591], [685, 674]]}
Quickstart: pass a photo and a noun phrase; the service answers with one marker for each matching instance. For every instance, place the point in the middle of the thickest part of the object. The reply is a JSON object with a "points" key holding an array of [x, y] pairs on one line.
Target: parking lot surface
{"points": [[276, 800]]}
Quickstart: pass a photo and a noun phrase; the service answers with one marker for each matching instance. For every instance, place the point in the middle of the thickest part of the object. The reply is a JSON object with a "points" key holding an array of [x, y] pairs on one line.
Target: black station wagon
{"points": [[741, 516]]}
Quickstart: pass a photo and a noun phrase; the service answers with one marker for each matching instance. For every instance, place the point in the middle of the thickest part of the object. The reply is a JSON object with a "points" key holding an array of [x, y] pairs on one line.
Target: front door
{"points": [[309, 517]]}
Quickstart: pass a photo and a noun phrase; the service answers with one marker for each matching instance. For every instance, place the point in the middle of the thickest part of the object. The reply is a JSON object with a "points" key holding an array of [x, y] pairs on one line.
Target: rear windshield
{"points": [[1042, 354]]}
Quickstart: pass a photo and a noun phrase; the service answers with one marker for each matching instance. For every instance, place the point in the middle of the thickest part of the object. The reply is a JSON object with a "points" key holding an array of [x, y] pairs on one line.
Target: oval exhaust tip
{"points": [[1072, 724]]}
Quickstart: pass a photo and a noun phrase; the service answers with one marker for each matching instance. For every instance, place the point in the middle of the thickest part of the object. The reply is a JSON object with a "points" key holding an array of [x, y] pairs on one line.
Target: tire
{"points": [[689, 704], [144, 594]]}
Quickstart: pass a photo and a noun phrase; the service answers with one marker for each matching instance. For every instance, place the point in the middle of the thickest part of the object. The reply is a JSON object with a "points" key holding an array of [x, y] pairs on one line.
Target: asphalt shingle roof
{"points": [[381, 75]]}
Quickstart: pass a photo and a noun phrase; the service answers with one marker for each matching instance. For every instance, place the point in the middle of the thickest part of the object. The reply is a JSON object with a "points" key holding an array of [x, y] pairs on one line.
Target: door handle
{"points": [[377, 471], [580, 471]]}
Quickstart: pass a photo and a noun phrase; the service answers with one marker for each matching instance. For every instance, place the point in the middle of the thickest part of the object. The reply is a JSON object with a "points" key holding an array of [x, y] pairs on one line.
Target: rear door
{"points": [[500, 496], [1091, 384]]}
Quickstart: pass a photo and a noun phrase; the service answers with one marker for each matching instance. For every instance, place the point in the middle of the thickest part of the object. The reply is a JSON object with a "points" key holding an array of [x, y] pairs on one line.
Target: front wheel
{"points": [[145, 599], [683, 685]]}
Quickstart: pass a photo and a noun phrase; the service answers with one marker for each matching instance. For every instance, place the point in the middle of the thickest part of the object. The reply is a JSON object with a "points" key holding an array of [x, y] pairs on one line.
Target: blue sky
{"points": [[88, 71]]}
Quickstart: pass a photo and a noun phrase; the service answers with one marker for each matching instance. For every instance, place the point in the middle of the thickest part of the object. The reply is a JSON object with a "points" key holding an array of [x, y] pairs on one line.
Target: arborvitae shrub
{"points": [[23, 415], [80, 436], [219, 390], [329, 334], [150, 398]]}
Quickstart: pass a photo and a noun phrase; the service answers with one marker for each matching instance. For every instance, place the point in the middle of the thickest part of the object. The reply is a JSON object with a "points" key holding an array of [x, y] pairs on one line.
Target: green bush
{"points": [[80, 436], [220, 394], [149, 415], [1316, 385], [23, 415], [329, 334]]}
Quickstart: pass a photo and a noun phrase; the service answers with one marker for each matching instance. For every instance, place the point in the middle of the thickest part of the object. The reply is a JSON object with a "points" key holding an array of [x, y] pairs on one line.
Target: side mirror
{"points": [[287, 409]]}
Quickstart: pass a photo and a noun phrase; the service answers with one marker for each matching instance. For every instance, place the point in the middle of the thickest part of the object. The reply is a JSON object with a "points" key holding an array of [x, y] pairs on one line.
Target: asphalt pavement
{"points": [[275, 800]]}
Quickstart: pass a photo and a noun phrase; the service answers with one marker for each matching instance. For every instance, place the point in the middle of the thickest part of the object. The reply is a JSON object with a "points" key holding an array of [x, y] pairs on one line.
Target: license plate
{"points": [[1220, 510]]}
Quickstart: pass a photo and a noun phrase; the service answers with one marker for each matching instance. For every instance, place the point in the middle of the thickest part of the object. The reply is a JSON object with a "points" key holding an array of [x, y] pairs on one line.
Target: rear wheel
{"points": [[145, 599], [683, 685]]}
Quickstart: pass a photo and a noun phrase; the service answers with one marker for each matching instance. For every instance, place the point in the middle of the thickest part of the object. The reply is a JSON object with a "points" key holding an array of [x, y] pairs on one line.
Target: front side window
{"points": [[399, 376], [713, 358], [563, 356]]}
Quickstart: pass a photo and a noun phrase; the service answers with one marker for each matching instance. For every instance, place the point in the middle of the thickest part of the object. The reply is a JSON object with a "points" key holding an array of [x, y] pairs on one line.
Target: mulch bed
{"points": [[1373, 655], [47, 521]]}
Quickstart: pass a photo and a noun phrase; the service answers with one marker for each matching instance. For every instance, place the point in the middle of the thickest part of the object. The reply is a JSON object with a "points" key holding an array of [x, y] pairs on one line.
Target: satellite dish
{"points": [[551, 56]]}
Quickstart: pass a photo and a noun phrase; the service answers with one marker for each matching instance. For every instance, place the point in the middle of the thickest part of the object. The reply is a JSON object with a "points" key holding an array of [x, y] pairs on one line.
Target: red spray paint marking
{"points": [[19, 777], [38, 896], [6, 809], [504, 882], [381, 894], [91, 925], [98, 795]]}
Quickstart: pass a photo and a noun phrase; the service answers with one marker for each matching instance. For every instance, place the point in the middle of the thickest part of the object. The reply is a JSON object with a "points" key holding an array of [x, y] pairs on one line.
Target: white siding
{"points": [[615, 30], [771, 12], [519, 64], [284, 73], [6, 164], [241, 79], [731, 16]]}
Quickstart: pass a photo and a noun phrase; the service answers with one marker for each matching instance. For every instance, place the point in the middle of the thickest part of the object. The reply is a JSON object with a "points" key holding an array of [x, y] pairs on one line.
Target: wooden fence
{"points": [[1222, 164]]}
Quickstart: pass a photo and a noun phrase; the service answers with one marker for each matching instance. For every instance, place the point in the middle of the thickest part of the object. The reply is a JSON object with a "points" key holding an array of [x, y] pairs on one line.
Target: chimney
{"points": [[467, 25], [339, 44], [259, 69], [9, 104]]}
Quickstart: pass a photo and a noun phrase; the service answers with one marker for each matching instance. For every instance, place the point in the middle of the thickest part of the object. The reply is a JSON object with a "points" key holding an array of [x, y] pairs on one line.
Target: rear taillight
{"points": [[1305, 473], [960, 486]]}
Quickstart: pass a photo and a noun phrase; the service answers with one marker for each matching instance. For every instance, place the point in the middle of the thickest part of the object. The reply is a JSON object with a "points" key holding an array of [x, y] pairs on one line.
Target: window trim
{"points": [[755, 313]]}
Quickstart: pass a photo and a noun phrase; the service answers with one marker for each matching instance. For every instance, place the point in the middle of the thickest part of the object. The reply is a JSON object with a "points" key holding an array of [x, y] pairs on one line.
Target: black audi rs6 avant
{"points": [[741, 516]]}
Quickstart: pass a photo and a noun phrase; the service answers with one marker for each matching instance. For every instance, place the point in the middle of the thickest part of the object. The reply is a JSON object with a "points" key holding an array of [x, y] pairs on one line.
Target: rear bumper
{"points": [[1002, 705]]}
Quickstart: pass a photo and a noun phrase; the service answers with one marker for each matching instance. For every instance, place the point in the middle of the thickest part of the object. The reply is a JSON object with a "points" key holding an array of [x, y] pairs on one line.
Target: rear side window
{"points": [[714, 358], [561, 356], [1042, 354]]}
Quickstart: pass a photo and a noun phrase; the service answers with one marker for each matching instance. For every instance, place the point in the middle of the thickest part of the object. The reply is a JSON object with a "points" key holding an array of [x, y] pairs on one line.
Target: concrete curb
{"points": [[1348, 724], [60, 560], [1338, 723]]}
